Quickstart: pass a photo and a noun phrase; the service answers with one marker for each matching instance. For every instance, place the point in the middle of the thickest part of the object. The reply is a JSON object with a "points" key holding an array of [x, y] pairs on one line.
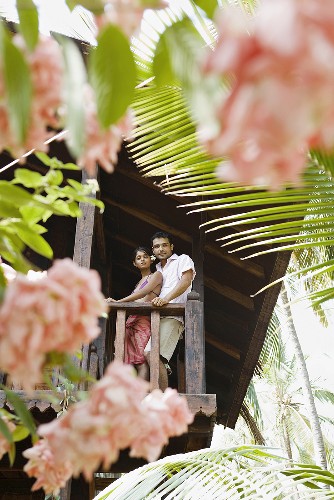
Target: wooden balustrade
{"points": [[192, 312]]}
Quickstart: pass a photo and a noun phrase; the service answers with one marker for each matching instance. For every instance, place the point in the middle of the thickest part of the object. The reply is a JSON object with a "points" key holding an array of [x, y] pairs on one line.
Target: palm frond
{"points": [[241, 472]]}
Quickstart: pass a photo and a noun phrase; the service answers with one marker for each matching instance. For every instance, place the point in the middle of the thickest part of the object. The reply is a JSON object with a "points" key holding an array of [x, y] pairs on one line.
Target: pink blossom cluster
{"points": [[116, 415], [46, 70], [56, 313], [281, 101], [126, 14], [102, 146], [4, 444]]}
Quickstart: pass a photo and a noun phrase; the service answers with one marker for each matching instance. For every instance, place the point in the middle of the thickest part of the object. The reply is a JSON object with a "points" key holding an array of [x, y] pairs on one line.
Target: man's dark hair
{"points": [[162, 234]]}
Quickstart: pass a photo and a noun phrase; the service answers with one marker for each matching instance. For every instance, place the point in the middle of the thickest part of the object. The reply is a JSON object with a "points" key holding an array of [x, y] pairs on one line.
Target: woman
{"points": [[138, 328]]}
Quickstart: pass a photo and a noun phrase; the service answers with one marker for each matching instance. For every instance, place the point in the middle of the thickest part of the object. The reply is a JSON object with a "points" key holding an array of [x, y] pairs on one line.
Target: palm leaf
{"points": [[245, 471]]}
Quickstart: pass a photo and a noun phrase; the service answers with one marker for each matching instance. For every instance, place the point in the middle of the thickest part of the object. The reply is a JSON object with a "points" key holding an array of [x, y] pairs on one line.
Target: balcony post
{"points": [[194, 345]]}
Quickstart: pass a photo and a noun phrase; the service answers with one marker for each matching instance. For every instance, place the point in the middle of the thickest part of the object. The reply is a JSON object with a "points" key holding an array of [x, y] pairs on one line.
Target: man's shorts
{"points": [[170, 331]]}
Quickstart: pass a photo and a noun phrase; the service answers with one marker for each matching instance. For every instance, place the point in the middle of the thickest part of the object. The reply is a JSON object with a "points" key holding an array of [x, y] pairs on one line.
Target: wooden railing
{"points": [[192, 312]]}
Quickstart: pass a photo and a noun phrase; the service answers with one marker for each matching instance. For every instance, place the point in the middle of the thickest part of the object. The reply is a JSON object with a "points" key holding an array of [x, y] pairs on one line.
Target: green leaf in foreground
{"points": [[113, 75], [21, 410], [18, 87], [28, 26]]}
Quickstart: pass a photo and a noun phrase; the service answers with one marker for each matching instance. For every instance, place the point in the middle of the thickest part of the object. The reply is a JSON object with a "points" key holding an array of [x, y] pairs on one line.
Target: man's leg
{"points": [[163, 377]]}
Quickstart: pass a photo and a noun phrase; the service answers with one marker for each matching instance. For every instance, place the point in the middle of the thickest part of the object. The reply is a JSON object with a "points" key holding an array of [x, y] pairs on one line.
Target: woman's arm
{"points": [[153, 282]]}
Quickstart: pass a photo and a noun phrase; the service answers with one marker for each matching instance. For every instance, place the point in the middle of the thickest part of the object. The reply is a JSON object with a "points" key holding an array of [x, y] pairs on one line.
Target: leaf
{"points": [[27, 178], [43, 157], [14, 194], [162, 64], [18, 87], [32, 215], [20, 433], [21, 410], [5, 431], [95, 6], [113, 75], [34, 241], [53, 178], [75, 374], [28, 26], [7, 210], [209, 6], [75, 80]]}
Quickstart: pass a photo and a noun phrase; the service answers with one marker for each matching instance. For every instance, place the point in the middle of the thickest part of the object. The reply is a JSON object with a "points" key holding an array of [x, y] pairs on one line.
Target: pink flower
{"points": [[46, 70], [115, 416], [4, 444], [52, 474], [102, 146], [59, 312], [164, 415], [281, 101]]}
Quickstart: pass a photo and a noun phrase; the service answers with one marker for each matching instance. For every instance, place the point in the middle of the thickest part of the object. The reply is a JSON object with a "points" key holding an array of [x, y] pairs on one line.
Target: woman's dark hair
{"points": [[140, 249], [162, 234]]}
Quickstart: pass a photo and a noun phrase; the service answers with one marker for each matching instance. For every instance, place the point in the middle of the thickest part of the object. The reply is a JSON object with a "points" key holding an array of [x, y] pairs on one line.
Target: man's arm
{"points": [[181, 287]]}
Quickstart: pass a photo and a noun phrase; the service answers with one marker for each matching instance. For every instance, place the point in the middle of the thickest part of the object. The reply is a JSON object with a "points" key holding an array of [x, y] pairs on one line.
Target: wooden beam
{"points": [[149, 218], [258, 334], [84, 232], [230, 293], [194, 345], [228, 349], [248, 266]]}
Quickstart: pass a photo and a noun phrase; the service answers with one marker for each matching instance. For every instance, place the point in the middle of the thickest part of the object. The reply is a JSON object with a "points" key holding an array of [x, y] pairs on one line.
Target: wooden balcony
{"points": [[190, 371]]}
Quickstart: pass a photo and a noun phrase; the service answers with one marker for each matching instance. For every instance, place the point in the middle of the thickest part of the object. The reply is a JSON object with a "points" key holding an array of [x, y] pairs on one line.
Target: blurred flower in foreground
{"points": [[56, 313], [281, 101], [117, 414]]}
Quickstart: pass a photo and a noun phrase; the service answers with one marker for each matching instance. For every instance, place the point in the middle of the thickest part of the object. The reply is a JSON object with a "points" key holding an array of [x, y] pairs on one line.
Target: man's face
{"points": [[162, 248]]}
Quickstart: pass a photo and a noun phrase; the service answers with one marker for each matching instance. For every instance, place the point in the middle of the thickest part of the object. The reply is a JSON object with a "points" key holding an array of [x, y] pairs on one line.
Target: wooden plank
{"points": [[65, 493], [198, 258], [202, 403], [194, 345], [120, 334], [84, 232], [155, 351], [145, 308]]}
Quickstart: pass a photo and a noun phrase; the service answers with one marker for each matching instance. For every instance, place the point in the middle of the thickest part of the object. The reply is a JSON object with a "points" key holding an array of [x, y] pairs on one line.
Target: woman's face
{"points": [[142, 260]]}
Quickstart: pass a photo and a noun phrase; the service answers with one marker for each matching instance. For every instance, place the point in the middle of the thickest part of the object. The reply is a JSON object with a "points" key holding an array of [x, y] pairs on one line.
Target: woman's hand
{"points": [[109, 300]]}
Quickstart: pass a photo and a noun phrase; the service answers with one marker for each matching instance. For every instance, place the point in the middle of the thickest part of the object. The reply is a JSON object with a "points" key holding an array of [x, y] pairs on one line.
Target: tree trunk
{"points": [[286, 438], [318, 442]]}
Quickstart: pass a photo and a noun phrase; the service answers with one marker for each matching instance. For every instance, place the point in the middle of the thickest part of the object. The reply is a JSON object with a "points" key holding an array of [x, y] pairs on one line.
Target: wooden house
{"points": [[224, 325]]}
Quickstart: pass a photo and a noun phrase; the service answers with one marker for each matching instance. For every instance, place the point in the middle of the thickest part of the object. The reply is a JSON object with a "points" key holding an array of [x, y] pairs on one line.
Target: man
{"points": [[178, 272]]}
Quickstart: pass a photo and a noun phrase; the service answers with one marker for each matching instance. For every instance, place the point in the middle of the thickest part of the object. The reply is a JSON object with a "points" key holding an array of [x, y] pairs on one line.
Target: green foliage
{"points": [[21, 411], [112, 73], [22, 211], [28, 17], [239, 472], [95, 6], [75, 79], [18, 85], [209, 6]]}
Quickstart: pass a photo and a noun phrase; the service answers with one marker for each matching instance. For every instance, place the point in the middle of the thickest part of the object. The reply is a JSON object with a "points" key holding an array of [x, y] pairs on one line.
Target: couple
{"points": [[170, 283]]}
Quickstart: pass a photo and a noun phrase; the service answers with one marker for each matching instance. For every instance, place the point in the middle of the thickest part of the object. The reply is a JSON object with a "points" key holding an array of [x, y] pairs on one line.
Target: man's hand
{"points": [[159, 301]]}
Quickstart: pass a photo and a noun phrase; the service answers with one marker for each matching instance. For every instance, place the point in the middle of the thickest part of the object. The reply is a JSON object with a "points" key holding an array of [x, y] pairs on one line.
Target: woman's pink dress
{"points": [[137, 334]]}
